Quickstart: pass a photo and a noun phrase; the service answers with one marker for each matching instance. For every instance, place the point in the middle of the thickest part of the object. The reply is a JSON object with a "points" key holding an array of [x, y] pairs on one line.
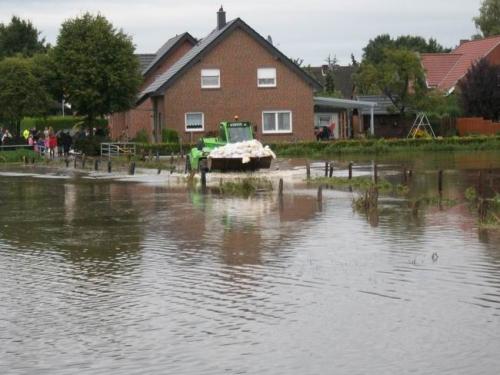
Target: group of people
{"points": [[48, 141]]}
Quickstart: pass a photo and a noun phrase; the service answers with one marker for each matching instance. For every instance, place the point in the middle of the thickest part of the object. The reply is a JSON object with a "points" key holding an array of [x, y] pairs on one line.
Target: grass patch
{"points": [[18, 156], [381, 146], [245, 186], [359, 182]]}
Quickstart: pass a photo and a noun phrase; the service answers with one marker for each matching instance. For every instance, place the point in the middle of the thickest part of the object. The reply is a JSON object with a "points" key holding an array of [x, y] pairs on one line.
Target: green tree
{"points": [[47, 72], [20, 37], [488, 21], [399, 76], [97, 64], [374, 50], [21, 93]]}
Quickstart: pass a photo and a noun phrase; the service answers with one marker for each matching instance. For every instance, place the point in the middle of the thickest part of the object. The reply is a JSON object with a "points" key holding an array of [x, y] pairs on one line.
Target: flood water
{"points": [[103, 277]]}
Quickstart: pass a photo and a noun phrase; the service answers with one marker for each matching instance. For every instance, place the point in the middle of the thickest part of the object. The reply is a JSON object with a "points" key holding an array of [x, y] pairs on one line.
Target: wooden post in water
{"points": [[331, 170], [74, 161], [350, 170], [203, 172], [375, 173], [440, 182], [109, 166], [131, 169], [480, 184], [67, 162], [280, 188], [308, 170], [84, 159], [96, 165], [157, 155], [159, 170], [172, 158], [326, 169], [320, 193]]}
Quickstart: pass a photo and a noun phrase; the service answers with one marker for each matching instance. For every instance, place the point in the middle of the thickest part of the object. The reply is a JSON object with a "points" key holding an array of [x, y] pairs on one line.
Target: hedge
{"points": [[57, 122]]}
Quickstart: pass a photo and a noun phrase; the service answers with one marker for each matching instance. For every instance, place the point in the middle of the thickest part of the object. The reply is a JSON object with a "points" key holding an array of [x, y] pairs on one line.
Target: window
{"points": [[210, 78], [195, 122], [266, 77], [277, 122]]}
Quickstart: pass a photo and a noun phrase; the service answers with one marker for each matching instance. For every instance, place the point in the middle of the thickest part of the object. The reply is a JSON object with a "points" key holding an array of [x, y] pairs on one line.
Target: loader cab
{"points": [[232, 132]]}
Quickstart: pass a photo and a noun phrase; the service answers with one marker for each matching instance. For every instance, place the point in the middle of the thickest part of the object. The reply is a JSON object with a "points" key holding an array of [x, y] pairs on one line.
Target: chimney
{"points": [[221, 18], [462, 41]]}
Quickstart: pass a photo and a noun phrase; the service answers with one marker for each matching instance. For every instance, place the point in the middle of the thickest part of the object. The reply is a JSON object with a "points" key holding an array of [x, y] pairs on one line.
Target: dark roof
{"points": [[343, 77], [145, 59], [166, 48], [204, 46], [383, 106]]}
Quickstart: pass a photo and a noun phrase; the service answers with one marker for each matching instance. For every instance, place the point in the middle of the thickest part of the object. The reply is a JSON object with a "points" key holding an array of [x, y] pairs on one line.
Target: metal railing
{"points": [[14, 147], [110, 150]]}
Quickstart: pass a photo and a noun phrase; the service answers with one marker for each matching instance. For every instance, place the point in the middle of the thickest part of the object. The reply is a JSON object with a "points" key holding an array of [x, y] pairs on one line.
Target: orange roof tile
{"points": [[445, 70]]}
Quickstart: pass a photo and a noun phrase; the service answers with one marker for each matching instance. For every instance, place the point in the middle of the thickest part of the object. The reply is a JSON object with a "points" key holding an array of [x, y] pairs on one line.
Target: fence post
{"points": [[84, 159], [350, 170], [280, 188], [67, 162], [308, 170], [440, 182], [326, 169], [320, 193], [331, 170], [375, 173], [131, 170], [96, 165], [109, 166]]}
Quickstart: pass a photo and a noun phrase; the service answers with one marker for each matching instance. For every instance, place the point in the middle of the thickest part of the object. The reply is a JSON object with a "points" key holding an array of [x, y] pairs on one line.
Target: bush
{"points": [[90, 146], [141, 136], [169, 136]]}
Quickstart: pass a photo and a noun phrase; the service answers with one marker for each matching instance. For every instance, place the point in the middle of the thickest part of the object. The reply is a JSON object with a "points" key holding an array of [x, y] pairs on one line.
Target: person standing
{"points": [[52, 143]]}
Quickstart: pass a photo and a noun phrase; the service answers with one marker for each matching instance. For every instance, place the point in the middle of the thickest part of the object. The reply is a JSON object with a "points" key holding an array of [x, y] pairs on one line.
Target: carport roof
{"points": [[342, 103]]}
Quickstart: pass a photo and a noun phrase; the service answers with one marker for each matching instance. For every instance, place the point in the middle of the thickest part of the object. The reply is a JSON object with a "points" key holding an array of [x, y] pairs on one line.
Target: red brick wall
{"points": [[125, 125], [238, 58]]}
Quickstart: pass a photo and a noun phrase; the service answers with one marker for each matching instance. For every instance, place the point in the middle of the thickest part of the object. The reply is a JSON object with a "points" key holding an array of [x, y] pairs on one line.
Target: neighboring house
{"points": [[125, 125], [343, 77], [232, 72], [445, 70]]}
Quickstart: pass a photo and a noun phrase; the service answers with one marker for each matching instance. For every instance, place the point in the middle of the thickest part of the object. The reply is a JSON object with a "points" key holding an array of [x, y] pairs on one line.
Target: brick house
{"points": [[125, 125], [233, 71], [444, 70]]}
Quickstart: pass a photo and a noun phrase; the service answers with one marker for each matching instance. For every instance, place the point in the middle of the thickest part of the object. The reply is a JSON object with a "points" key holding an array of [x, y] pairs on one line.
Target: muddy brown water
{"points": [[103, 277]]}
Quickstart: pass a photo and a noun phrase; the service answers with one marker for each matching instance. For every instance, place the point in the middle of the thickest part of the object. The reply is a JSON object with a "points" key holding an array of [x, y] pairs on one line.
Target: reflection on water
{"points": [[122, 278]]}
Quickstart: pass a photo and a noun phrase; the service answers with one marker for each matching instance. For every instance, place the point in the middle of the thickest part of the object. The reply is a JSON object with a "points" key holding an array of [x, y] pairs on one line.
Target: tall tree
{"points": [[399, 76], [480, 90], [97, 64], [374, 50], [20, 37], [21, 93], [488, 21]]}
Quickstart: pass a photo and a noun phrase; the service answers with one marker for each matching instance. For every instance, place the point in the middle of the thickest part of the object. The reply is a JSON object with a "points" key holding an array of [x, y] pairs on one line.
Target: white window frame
{"points": [[210, 73], [202, 122], [266, 84], [277, 131]]}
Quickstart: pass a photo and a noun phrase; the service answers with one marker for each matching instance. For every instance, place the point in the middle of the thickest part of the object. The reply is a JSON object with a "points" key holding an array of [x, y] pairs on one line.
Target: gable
{"points": [[208, 44]]}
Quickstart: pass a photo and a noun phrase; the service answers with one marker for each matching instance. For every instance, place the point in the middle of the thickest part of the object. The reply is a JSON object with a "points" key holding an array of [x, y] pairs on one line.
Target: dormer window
{"points": [[210, 78], [266, 77]]}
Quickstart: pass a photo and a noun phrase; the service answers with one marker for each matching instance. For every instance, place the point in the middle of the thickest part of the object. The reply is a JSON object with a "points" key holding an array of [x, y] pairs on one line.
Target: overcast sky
{"points": [[309, 29]]}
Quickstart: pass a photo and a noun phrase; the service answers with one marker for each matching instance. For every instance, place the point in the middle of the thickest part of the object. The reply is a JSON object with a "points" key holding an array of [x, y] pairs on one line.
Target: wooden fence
{"points": [[477, 125]]}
